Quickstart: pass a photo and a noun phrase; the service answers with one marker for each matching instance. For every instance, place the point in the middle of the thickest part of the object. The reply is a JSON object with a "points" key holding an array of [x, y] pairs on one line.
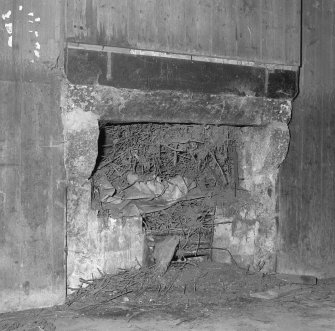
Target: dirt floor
{"points": [[197, 295]]}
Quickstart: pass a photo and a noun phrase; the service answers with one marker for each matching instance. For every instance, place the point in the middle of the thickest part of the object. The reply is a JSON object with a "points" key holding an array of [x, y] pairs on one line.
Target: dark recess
{"points": [[282, 84]]}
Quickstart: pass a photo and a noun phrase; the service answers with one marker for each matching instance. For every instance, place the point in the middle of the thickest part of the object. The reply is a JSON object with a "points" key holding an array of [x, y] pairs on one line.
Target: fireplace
{"points": [[144, 165]]}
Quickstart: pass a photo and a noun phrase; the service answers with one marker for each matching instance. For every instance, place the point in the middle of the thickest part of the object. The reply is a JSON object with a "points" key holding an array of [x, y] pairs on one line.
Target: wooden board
{"points": [[264, 31], [307, 190], [32, 176]]}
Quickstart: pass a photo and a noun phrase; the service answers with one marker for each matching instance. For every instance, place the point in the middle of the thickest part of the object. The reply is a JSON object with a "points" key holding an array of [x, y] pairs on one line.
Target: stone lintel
{"points": [[132, 106]]}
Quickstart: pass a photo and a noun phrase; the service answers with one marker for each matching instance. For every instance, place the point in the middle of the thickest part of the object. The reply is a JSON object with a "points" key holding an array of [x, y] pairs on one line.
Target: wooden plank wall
{"points": [[264, 31], [307, 178], [32, 175]]}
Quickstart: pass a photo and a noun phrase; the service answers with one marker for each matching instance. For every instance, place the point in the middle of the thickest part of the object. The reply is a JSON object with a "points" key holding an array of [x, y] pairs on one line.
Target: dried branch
{"points": [[221, 170]]}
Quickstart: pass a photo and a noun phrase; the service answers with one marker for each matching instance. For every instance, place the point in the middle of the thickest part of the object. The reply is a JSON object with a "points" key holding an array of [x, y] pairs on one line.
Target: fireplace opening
{"points": [[169, 162], [161, 178], [173, 178]]}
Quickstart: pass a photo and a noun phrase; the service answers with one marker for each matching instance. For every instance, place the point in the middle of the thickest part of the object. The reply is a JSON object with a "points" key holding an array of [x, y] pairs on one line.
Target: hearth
{"points": [[145, 166]]}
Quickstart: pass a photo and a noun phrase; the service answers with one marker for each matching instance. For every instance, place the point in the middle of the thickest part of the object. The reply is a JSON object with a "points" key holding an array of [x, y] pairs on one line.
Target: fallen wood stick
{"points": [[297, 279]]}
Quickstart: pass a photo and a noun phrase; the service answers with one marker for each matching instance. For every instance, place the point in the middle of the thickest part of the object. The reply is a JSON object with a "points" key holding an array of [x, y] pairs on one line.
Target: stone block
{"points": [[262, 149], [104, 244], [250, 241]]}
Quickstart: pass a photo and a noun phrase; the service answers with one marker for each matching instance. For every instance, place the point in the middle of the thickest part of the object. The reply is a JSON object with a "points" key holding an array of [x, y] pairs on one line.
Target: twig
{"points": [[74, 288], [104, 301], [196, 252], [134, 314], [187, 141], [184, 264], [89, 281], [101, 273], [185, 320], [140, 265], [231, 255], [226, 222], [174, 149], [188, 236], [218, 164]]}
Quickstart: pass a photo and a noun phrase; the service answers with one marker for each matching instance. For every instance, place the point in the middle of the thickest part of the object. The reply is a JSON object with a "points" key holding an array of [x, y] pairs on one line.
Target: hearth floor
{"points": [[205, 296]]}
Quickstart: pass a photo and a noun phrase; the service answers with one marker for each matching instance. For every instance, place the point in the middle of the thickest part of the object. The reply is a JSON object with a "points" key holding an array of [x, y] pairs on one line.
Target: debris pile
{"points": [[192, 221], [189, 282], [171, 175], [202, 154], [126, 285]]}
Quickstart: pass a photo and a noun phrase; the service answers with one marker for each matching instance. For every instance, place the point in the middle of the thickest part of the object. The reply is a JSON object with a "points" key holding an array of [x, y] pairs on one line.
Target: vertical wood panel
{"points": [[147, 14], [161, 23], [133, 22], [328, 134], [225, 28], [190, 23], [307, 192], [249, 29], [203, 25], [261, 30], [76, 24], [267, 28], [175, 25], [218, 26], [292, 28], [278, 46], [91, 28], [32, 177], [10, 193], [114, 20]]}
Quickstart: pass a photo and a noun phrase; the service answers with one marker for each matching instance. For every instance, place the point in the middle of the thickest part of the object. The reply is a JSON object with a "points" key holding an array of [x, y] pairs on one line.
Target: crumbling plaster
{"points": [[251, 234], [93, 245]]}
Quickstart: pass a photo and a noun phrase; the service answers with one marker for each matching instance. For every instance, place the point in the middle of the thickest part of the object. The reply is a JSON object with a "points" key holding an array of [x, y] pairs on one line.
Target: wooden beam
{"points": [[180, 56], [155, 73]]}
